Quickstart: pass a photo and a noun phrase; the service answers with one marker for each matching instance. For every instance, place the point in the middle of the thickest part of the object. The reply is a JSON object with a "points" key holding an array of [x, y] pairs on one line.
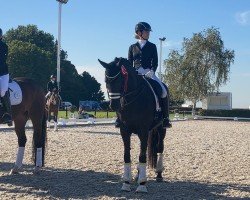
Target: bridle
{"points": [[111, 79], [124, 74], [124, 94]]}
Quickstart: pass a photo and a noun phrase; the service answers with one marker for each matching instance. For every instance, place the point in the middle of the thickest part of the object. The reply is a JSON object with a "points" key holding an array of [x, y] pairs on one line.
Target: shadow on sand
{"points": [[77, 184]]}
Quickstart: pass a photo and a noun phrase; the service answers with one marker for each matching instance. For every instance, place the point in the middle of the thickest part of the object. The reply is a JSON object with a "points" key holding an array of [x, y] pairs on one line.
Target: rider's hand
{"points": [[150, 74]]}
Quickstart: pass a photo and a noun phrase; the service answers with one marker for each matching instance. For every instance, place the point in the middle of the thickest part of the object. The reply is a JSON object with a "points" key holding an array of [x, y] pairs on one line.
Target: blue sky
{"points": [[93, 29]]}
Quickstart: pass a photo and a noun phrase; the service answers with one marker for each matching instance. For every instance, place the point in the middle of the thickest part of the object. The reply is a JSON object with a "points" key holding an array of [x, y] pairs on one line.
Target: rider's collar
{"points": [[142, 42]]}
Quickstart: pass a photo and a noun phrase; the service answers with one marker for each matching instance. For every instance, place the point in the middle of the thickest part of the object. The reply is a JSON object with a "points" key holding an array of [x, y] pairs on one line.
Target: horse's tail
{"points": [[152, 147], [43, 141]]}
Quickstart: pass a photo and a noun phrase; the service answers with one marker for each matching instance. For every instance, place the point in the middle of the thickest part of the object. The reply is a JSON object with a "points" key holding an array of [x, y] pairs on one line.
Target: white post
{"points": [[160, 59], [160, 62], [60, 2], [59, 43]]}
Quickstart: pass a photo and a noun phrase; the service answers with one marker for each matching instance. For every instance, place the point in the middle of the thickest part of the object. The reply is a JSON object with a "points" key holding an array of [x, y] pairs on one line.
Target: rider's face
{"points": [[145, 34], [53, 79]]}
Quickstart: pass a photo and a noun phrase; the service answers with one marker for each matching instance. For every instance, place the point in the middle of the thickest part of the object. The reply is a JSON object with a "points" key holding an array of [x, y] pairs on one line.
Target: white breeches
{"points": [[4, 84], [142, 71]]}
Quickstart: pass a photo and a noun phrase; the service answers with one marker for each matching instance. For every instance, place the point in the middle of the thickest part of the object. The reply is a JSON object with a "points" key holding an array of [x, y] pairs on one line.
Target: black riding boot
{"points": [[6, 118], [117, 122], [165, 112]]}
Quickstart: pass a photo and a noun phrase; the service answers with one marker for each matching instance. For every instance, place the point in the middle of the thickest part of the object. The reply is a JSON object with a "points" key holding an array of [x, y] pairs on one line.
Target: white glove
{"points": [[150, 74]]}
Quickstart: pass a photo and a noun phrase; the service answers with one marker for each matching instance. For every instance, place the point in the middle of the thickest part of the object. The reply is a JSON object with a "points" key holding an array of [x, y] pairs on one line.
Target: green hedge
{"points": [[226, 113]]}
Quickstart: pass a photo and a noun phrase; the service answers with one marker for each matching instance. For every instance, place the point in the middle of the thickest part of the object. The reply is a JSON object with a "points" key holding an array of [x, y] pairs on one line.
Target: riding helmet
{"points": [[142, 26], [52, 76]]}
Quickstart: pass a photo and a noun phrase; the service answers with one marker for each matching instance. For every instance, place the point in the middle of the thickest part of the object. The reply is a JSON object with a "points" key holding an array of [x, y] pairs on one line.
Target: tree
{"points": [[70, 83], [27, 60], [33, 54], [91, 89], [32, 35], [201, 67]]}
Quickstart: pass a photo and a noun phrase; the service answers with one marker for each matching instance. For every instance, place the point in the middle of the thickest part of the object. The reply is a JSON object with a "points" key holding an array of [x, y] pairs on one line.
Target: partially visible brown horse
{"points": [[52, 106], [32, 107]]}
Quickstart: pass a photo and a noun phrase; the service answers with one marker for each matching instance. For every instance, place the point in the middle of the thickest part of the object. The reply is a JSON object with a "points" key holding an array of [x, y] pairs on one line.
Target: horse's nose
{"points": [[115, 104]]}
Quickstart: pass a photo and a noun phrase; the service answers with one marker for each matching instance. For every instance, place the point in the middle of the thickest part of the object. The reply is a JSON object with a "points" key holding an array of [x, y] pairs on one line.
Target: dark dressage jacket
{"points": [[51, 86], [3, 57], [145, 57]]}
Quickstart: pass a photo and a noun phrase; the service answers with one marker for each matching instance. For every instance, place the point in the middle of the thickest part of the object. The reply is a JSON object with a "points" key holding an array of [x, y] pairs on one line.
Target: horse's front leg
{"points": [[159, 165], [142, 172], [20, 132], [127, 175], [55, 121], [49, 118]]}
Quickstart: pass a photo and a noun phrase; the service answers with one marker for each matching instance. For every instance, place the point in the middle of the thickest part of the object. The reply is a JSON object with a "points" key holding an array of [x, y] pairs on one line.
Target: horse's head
{"points": [[120, 77], [54, 98]]}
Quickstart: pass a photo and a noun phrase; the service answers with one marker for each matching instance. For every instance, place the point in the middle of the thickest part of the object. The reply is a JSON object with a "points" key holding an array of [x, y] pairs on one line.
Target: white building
{"points": [[218, 101]]}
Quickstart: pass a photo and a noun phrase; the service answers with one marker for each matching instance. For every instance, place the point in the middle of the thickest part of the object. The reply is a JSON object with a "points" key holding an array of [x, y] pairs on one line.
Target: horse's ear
{"points": [[105, 65], [118, 61]]}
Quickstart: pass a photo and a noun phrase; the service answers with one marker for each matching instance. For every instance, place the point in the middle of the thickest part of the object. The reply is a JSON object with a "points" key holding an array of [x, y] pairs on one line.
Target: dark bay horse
{"points": [[52, 106], [131, 97], [32, 107]]}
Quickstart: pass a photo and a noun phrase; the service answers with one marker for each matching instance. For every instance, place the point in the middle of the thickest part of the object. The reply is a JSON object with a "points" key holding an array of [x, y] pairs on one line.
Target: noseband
{"points": [[124, 74]]}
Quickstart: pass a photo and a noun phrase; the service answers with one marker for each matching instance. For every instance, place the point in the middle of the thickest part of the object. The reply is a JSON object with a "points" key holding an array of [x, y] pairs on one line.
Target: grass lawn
{"points": [[102, 114]]}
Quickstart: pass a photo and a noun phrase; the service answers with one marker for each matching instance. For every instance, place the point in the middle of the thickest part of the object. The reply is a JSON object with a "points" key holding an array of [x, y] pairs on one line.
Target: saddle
{"points": [[15, 93], [156, 87], [157, 91]]}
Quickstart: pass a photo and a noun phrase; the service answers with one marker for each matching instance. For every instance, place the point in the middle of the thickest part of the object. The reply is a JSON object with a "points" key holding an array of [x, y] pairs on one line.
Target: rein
{"points": [[125, 95], [124, 102]]}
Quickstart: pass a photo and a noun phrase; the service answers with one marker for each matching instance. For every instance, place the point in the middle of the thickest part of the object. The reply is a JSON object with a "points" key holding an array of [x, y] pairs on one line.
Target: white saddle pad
{"points": [[15, 93]]}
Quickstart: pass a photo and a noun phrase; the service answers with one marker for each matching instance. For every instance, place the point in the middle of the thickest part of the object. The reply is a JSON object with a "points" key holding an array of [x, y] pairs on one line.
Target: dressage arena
{"points": [[203, 160]]}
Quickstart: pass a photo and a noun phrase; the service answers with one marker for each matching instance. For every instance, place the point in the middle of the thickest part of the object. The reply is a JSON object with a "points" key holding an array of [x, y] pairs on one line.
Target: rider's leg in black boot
{"points": [[117, 122], [165, 112], [6, 117]]}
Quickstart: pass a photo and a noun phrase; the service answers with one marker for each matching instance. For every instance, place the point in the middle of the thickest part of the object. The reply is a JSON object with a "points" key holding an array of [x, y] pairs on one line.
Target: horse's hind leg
{"points": [[20, 122], [159, 165], [49, 118], [39, 138], [55, 120]]}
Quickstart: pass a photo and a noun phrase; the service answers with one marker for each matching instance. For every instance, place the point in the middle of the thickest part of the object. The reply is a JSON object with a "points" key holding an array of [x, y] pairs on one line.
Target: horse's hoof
{"points": [[15, 170], [37, 170], [142, 189], [136, 178], [126, 187], [159, 179]]}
